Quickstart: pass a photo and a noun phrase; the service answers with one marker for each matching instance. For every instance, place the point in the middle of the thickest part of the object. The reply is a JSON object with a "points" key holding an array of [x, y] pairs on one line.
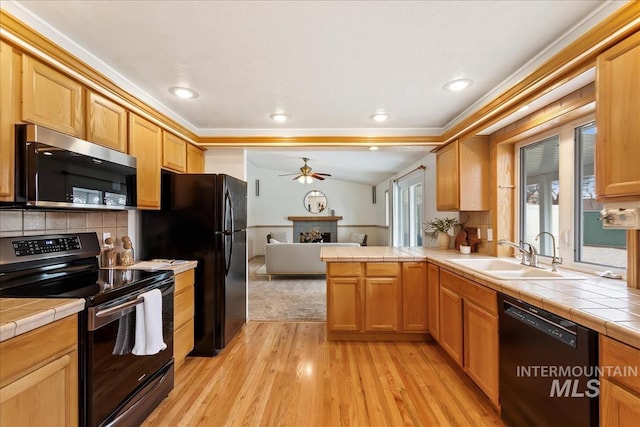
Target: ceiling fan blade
{"points": [[323, 174], [299, 175], [316, 176], [289, 174]]}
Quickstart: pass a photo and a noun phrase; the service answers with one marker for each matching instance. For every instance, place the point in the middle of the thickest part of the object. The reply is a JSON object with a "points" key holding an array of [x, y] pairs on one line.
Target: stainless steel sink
{"points": [[505, 269]]}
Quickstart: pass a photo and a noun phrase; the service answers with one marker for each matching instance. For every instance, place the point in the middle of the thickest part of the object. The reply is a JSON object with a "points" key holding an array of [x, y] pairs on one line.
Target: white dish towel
{"points": [[149, 325]]}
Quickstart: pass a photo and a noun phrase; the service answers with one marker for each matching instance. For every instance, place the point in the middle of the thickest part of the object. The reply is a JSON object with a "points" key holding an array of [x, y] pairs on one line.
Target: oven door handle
{"points": [[109, 311]]}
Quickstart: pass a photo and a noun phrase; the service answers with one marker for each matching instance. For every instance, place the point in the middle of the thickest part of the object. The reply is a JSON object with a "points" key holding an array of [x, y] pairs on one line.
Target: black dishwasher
{"points": [[548, 368]]}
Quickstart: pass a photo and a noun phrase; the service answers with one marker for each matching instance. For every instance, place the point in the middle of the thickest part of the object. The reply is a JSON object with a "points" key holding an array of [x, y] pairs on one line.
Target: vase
{"points": [[443, 240]]}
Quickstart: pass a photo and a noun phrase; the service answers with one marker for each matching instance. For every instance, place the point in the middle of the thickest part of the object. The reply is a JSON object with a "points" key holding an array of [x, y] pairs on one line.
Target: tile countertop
{"points": [[20, 315], [604, 305]]}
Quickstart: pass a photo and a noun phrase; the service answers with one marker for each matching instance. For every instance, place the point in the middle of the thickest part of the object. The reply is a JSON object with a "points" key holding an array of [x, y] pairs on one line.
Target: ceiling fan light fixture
{"points": [[279, 117], [457, 85], [301, 179], [380, 117], [308, 179], [183, 92]]}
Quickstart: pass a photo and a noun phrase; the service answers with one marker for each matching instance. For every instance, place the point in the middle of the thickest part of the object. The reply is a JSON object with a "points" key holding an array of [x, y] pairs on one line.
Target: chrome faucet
{"points": [[556, 259], [529, 256]]}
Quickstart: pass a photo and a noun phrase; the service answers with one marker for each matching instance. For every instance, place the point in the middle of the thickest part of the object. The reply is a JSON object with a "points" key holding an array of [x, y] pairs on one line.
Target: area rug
{"points": [[286, 298]]}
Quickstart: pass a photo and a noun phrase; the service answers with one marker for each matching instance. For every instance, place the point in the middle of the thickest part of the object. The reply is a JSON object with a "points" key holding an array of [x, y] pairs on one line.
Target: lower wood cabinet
{"points": [[377, 300], [469, 330], [183, 302], [619, 394], [39, 376], [433, 299]]}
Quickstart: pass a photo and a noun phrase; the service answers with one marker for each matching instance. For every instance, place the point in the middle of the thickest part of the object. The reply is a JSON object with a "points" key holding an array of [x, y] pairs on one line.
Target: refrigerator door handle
{"points": [[228, 204]]}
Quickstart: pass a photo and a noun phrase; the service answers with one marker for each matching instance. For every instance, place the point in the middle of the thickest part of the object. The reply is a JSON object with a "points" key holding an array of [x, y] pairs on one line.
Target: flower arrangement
{"points": [[313, 235], [439, 225]]}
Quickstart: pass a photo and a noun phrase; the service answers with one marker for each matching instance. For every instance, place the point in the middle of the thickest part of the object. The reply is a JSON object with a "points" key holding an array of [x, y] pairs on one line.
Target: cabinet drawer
{"points": [[182, 342], [481, 295], [183, 310], [344, 269], [382, 269], [28, 352], [184, 280], [615, 353]]}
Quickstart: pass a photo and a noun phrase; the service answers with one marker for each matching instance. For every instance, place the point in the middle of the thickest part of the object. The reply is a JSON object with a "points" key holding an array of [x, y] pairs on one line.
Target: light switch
{"points": [[489, 234]]}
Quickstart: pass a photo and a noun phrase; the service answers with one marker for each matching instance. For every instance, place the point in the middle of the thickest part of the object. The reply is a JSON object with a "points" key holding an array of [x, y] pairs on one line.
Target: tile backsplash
{"points": [[21, 222]]}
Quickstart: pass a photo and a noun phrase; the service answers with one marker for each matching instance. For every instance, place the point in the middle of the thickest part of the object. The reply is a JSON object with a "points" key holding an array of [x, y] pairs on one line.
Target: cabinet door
{"points": [[617, 107], [382, 304], [344, 302], [618, 406], [106, 122], [451, 323], [145, 140], [195, 159], [414, 297], [10, 88], [447, 176], [433, 282], [481, 349], [51, 99], [174, 152]]}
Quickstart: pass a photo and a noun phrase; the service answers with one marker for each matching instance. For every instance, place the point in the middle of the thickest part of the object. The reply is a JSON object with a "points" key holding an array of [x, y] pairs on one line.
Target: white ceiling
{"points": [[328, 64]]}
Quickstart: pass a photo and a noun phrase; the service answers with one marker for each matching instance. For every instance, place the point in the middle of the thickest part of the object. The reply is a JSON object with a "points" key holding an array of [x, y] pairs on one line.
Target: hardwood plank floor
{"points": [[287, 374]]}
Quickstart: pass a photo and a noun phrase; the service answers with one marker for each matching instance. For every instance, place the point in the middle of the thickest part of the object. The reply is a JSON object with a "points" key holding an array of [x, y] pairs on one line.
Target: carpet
{"points": [[286, 298]]}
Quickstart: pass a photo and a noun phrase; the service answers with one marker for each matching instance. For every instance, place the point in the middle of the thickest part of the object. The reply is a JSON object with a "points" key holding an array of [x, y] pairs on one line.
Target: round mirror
{"points": [[315, 201]]}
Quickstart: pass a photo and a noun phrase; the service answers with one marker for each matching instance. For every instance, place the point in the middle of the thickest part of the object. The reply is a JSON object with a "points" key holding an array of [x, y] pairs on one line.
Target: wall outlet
{"points": [[104, 236], [489, 234]]}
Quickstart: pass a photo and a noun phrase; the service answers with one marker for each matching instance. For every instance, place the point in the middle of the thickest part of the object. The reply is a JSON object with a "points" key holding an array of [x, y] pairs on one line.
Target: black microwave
{"points": [[55, 170]]}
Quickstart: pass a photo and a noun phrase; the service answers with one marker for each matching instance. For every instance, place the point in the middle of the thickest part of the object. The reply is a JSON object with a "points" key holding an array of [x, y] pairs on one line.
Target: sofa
{"points": [[296, 258]]}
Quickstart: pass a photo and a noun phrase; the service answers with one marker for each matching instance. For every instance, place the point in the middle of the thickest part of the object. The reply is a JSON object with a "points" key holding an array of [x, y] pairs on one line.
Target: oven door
{"points": [[115, 377]]}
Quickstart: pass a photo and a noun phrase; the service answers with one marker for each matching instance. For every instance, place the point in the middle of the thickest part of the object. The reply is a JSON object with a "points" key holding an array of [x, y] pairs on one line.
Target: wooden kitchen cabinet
{"points": [[481, 348], [451, 324], [469, 329], [433, 298], [617, 118], [51, 99], [184, 309], [145, 142], [195, 159], [383, 296], [619, 394], [415, 310], [174, 152], [462, 175], [39, 376], [11, 89], [106, 122], [344, 297]]}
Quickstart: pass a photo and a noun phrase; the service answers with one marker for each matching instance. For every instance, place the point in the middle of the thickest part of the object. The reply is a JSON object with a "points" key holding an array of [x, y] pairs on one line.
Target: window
{"points": [[407, 230], [561, 161]]}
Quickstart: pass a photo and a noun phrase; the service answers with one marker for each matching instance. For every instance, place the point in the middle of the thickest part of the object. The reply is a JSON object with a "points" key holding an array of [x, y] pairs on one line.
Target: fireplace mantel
{"points": [[314, 218]]}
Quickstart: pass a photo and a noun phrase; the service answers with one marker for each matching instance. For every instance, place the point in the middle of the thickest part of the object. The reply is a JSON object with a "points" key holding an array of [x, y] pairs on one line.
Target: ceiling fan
{"points": [[306, 175]]}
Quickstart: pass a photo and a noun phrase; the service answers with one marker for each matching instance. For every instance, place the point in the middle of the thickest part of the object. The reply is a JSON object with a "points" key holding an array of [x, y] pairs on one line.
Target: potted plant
{"points": [[439, 227]]}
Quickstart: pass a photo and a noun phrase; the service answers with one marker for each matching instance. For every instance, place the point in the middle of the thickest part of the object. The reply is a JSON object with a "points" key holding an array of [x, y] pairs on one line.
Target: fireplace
{"points": [[327, 225]]}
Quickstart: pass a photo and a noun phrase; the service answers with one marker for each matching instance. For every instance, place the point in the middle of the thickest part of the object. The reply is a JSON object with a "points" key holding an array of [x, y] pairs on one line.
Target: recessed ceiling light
{"points": [[380, 117], [524, 108], [373, 148], [458, 85], [279, 117], [183, 92], [47, 153]]}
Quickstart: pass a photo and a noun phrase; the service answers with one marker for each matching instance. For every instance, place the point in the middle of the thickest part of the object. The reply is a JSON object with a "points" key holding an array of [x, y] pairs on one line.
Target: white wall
{"points": [[429, 194], [230, 161], [281, 197]]}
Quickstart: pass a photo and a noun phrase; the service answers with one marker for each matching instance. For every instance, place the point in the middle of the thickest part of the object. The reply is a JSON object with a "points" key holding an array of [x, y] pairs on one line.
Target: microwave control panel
{"points": [[621, 218]]}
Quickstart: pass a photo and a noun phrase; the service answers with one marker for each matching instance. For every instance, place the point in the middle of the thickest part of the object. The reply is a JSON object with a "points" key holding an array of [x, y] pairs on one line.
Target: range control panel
{"points": [[45, 246]]}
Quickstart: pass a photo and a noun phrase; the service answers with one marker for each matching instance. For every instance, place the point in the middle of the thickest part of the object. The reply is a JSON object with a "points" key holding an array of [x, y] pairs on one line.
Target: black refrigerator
{"points": [[203, 217]]}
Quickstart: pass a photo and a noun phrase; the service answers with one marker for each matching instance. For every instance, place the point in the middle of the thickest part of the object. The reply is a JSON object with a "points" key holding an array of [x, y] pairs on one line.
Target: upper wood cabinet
{"points": [[174, 152], [10, 95], [51, 99], [195, 159], [145, 141], [106, 122], [618, 121], [462, 175]]}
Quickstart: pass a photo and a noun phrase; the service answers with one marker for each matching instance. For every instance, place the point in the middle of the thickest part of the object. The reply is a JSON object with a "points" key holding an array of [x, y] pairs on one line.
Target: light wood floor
{"points": [[287, 374]]}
